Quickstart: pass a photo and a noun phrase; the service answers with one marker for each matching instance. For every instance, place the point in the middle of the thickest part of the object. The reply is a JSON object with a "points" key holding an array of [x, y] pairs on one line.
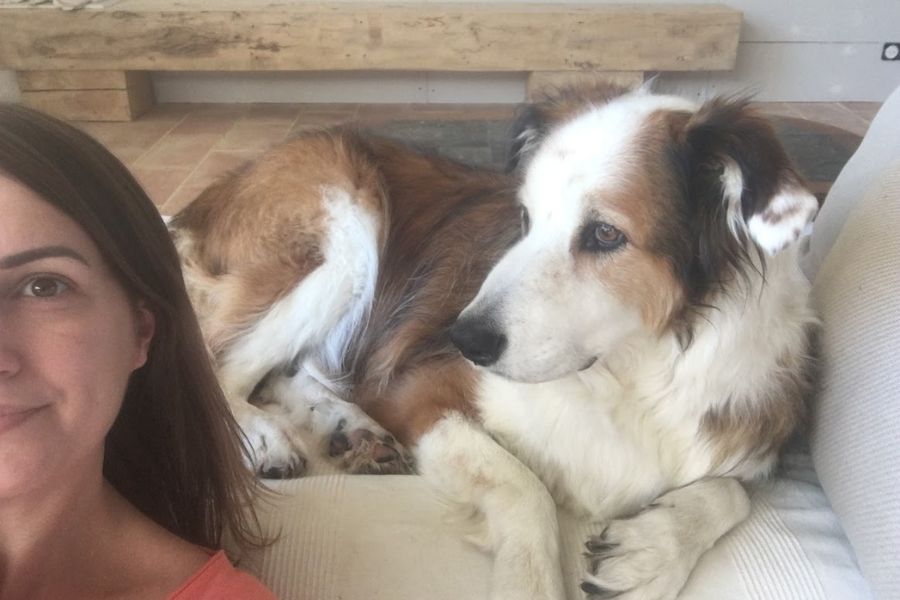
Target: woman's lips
{"points": [[11, 417]]}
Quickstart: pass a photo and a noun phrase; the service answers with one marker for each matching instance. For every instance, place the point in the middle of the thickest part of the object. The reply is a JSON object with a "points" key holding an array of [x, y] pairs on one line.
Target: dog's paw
{"points": [[641, 558], [368, 450], [275, 452]]}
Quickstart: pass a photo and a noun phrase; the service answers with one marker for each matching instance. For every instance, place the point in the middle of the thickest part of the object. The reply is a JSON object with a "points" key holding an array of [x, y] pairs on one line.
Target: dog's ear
{"points": [[765, 198], [528, 129]]}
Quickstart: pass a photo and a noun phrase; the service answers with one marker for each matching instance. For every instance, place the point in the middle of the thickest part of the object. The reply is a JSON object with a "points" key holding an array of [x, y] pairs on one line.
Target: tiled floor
{"points": [[176, 150]]}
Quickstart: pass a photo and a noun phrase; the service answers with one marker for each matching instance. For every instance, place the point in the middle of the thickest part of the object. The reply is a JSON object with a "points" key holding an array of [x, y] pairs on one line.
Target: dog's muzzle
{"points": [[478, 340]]}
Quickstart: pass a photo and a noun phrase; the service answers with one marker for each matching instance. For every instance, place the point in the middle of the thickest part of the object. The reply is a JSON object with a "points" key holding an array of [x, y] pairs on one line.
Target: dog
{"points": [[617, 325]]}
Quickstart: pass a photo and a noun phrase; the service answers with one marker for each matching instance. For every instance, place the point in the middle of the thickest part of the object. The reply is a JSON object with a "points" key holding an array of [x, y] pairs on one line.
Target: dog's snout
{"points": [[478, 340]]}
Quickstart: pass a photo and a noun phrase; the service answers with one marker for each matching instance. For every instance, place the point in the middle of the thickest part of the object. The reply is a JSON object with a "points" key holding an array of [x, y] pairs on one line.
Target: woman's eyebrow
{"points": [[17, 260]]}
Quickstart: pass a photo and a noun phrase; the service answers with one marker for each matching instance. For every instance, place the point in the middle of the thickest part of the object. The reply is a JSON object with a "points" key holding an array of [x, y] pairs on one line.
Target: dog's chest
{"points": [[594, 451]]}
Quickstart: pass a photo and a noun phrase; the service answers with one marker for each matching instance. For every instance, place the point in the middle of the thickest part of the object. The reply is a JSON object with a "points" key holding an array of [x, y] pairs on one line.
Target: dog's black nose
{"points": [[478, 341]]}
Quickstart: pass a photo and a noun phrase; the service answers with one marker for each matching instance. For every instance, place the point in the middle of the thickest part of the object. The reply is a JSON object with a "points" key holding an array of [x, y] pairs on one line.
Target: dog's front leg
{"points": [[468, 466], [649, 556], [275, 449]]}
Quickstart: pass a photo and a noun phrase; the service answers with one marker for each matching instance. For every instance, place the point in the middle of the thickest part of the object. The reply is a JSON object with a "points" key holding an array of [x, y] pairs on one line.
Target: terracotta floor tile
{"points": [[179, 150], [128, 141], [168, 112], [271, 113], [833, 114], [160, 182], [312, 125], [214, 165], [207, 122], [782, 109], [218, 162], [866, 110], [252, 135], [128, 154], [325, 115], [181, 198], [381, 113]]}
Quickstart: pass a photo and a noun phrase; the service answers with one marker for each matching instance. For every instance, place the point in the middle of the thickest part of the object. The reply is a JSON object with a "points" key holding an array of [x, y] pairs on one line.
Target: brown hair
{"points": [[174, 450]]}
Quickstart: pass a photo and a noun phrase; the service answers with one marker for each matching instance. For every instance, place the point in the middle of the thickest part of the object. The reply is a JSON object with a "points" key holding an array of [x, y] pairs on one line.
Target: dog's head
{"points": [[636, 208]]}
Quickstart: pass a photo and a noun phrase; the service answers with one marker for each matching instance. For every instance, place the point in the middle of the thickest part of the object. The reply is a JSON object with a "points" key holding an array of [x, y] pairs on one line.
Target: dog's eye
{"points": [[601, 237], [526, 222]]}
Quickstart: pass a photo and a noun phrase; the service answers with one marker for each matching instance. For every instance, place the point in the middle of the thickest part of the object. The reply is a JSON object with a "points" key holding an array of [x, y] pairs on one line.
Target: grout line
{"points": [[853, 117], [293, 123], [847, 110], [867, 119], [154, 144], [188, 176], [354, 114]]}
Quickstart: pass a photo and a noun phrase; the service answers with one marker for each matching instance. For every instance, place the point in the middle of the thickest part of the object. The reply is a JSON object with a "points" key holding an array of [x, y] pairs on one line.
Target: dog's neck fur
{"points": [[654, 395]]}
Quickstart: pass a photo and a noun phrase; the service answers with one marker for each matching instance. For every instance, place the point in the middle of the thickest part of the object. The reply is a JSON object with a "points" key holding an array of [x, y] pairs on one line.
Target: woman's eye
{"points": [[601, 237], [44, 287], [526, 222]]}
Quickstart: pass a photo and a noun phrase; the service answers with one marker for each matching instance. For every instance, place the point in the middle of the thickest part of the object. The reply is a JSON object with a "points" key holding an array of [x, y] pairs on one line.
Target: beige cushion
{"points": [[879, 148], [365, 537], [856, 432]]}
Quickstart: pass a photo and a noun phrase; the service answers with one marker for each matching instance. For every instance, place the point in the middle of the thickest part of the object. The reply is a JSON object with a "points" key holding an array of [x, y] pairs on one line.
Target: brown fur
{"points": [[642, 208], [422, 395], [448, 226], [563, 104], [261, 230], [760, 433], [257, 234], [445, 227]]}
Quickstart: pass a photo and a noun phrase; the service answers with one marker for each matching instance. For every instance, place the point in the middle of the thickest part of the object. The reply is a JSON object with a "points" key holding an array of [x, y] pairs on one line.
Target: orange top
{"points": [[218, 580]]}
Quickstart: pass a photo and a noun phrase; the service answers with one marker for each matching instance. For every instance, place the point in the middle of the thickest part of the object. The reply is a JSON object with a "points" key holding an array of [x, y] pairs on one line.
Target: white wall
{"points": [[807, 50], [791, 50]]}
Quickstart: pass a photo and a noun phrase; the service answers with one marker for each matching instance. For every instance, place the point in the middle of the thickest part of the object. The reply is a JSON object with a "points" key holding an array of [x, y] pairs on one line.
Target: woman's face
{"points": [[69, 339]]}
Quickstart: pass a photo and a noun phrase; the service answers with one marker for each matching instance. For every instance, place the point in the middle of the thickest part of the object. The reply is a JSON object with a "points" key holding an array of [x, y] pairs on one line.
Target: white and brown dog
{"points": [[630, 294]]}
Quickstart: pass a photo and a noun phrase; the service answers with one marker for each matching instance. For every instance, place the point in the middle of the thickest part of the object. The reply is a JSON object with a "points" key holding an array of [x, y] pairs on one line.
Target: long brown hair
{"points": [[175, 450]]}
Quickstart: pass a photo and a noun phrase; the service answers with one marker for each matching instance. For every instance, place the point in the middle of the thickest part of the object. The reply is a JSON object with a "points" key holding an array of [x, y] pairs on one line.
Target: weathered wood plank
{"points": [[71, 80], [190, 35], [95, 105], [540, 82], [139, 89]]}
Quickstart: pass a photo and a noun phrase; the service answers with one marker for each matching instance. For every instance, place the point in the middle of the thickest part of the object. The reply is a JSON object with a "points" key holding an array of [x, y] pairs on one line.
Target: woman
{"points": [[120, 465]]}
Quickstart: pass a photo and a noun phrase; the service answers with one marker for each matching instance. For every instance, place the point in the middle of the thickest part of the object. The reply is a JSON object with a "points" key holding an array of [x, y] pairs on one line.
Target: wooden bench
{"points": [[95, 64]]}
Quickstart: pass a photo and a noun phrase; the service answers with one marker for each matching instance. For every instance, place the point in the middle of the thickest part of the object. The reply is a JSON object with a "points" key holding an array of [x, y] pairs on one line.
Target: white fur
{"points": [[733, 189], [683, 524], [462, 461], [609, 439], [587, 156], [603, 440], [796, 209], [314, 407], [340, 292]]}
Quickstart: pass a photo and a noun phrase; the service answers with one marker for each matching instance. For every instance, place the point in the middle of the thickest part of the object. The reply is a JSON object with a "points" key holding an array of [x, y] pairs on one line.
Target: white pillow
{"points": [[855, 437], [365, 537], [880, 147]]}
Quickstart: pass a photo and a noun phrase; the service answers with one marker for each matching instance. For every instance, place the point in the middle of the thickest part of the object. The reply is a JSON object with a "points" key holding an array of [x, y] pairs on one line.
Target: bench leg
{"points": [[546, 81], [88, 95]]}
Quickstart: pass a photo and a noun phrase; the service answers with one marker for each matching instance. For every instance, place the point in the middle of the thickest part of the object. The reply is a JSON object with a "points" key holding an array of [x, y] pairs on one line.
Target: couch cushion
{"points": [[790, 548], [366, 537], [352, 537], [879, 148], [856, 431]]}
